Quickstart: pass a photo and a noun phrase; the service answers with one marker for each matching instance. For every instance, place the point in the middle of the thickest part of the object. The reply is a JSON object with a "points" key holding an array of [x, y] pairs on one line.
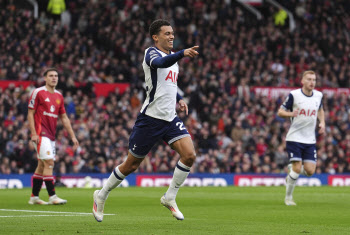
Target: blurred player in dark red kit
{"points": [[45, 106]]}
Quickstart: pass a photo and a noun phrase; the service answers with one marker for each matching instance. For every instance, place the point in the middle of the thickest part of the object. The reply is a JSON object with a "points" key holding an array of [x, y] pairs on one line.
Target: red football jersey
{"points": [[48, 106]]}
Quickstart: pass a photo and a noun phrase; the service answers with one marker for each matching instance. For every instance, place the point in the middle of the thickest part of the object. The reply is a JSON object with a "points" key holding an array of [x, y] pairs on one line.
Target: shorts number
{"points": [[181, 126], [315, 154]]}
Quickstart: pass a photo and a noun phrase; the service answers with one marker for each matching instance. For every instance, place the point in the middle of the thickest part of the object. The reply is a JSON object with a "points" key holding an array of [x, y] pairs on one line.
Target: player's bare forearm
{"points": [[322, 125], [34, 136], [67, 125], [30, 118], [286, 114], [320, 115]]}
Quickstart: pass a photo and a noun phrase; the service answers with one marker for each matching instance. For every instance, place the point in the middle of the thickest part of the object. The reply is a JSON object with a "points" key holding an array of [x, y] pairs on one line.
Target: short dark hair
{"points": [[50, 70], [154, 29]]}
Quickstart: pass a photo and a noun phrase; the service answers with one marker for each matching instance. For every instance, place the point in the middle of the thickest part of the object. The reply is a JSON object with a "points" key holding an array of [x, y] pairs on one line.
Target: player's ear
{"points": [[155, 37]]}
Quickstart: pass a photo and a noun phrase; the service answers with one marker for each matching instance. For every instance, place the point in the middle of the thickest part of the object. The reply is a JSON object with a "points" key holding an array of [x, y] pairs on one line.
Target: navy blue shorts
{"points": [[148, 130], [301, 152]]}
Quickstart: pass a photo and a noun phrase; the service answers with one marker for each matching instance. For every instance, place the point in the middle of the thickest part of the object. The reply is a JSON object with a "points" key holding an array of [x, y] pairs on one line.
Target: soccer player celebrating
{"points": [[303, 106], [45, 105], [157, 119]]}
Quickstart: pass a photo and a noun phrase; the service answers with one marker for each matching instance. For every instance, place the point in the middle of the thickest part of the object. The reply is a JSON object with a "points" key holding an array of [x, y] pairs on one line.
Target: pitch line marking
{"points": [[16, 216], [51, 212]]}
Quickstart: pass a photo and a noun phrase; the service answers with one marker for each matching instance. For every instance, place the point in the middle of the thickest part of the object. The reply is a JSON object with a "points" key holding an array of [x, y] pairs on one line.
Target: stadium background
{"points": [[246, 68]]}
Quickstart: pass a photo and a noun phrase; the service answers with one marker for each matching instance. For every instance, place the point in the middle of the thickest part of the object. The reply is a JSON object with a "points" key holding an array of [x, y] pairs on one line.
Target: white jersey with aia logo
{"points": [[302, 129], [161, 87]]}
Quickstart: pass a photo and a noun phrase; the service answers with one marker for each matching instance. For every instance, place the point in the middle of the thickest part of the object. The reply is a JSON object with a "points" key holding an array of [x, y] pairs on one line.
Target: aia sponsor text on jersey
{"points": [[308, 112], [172, 76]]}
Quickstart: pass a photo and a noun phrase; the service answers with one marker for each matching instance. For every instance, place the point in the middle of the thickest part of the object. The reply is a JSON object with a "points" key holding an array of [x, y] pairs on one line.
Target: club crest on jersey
{"points": [[58, 101], [48, 152], [52, 108], [172, 76], [307, 112]]}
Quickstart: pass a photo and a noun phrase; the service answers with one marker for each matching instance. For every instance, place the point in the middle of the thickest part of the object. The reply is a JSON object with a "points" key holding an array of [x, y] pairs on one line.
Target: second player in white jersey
{"points": [[161, 87], [303, 126], [303, 106]]}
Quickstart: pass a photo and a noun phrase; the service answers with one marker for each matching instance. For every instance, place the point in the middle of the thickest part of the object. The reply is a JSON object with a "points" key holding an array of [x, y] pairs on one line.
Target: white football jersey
{"points": [[302, 129], [161, 87]]}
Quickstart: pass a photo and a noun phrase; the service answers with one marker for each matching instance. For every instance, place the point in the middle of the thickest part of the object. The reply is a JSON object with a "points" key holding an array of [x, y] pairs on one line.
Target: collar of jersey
{"points": [[305, 94], [162, 51]]}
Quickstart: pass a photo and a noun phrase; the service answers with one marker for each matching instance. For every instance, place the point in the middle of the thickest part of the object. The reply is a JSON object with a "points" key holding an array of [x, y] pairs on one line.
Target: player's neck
{"points": [[163, 49], [306, 91], [50, 89]]}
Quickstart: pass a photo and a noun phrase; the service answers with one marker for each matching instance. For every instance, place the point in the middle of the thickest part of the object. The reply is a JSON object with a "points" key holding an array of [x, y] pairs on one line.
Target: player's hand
{"points": [[295, 113], [191, 52], [34, 139], [322, 127], [183, 106], [75, 144]]}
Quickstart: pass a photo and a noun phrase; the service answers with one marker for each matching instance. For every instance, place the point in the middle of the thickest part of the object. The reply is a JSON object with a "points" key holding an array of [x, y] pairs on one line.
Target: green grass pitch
{"points": [[207, 210]]}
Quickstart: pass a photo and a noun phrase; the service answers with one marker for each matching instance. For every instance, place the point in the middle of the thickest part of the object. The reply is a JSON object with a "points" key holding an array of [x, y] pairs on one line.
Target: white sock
{"points": [[113, 181], [290, 185], [180, 174]]}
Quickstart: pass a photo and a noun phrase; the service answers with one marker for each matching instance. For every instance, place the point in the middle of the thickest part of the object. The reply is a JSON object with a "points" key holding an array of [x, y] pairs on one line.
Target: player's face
{"points": [[51, 78], [309, 81], [165, 38]]}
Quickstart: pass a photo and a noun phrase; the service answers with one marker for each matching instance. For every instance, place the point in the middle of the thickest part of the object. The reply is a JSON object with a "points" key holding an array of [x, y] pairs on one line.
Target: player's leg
{"points": [[145, 134], [119, 173], [115, 179], [294, 153], [47, 156], [37, 181], [309, 160], [49, 182], [186, 150], [180, 140]]}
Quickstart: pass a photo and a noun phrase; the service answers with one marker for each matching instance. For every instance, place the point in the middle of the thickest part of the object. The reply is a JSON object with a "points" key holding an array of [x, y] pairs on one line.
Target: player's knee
{"points": [[133, 167], [49, 164], [189, 158], [309, 172]]}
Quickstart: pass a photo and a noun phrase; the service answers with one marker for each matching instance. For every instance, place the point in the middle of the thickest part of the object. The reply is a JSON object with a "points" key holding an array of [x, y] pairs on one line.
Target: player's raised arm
{"points": [[155, 60]]}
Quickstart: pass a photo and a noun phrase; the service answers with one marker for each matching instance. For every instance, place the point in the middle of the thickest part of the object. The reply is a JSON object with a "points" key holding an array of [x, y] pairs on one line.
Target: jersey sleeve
{"points": [[321, 104], [34, 100], [155, 60], [288, 103], [152, 54]]}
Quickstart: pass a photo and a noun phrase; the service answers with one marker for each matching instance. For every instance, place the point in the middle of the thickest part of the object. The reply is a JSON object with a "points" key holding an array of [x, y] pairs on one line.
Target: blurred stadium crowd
{"points": [[233, 129]]}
